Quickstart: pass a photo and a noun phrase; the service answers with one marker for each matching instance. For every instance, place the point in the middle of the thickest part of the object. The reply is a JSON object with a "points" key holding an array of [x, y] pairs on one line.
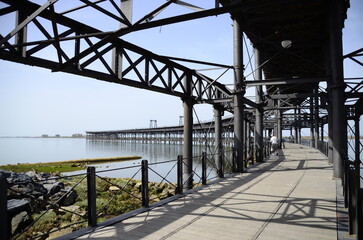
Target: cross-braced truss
{"points": [[48, 38]]}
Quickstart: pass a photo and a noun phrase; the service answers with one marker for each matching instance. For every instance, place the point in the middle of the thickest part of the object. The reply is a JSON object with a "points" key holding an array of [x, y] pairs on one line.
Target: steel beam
{"points": [[239, 95], [295, 95], [287, 81]]}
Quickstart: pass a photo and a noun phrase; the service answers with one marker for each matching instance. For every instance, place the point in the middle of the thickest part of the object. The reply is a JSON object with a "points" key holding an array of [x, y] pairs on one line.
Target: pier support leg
{"points": [[316, 117], [188, 138], [218, 155], [298, 125], [336, 88], [239, 91], [312, 137], [259, 111], [279, 125]]}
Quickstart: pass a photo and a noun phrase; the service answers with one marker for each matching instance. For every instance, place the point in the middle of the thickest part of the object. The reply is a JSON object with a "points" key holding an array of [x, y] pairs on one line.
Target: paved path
{"points": [[290, 196]]}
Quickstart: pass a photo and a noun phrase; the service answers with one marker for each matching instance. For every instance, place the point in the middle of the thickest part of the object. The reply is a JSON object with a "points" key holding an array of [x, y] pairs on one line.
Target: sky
{"points": [[35, 101]]}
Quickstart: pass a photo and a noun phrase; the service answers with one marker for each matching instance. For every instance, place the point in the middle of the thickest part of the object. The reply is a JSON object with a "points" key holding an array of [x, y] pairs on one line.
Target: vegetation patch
{"points": [[63, 166]]}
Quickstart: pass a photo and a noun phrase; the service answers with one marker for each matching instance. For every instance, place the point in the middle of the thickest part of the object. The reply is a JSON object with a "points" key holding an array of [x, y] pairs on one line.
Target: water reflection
{"points": [[153, 152]]}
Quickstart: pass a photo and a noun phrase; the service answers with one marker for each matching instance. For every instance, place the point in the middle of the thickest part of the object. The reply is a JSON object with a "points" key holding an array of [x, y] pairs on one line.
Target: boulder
{"points": [[19, 222], [19, 178], [69, 198], [32, 174], [16, 206], [4, 173], [53, 188], [64, 198]]}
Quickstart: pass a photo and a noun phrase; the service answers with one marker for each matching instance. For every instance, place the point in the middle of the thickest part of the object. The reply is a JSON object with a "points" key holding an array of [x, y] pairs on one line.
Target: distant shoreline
{"points": [[41, 137]]}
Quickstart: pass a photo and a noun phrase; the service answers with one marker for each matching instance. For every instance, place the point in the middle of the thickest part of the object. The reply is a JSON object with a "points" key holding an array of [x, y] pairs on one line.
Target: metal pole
{"points": [[218, 152], [145, 183], [330, 133], [188, 136], [4, 234], [295, 126], [316, 117], [299, 125], [245, 142], [204, 168], [180, 174], [337, 89], [358, 221], [312, 137], [91, 196], [279, 124], [127, 10], [259, 110], [239, 90], [21, 36]]}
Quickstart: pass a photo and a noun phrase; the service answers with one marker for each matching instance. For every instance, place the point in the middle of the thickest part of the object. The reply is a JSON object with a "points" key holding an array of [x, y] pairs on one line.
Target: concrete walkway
{"points": [[290, 196]]}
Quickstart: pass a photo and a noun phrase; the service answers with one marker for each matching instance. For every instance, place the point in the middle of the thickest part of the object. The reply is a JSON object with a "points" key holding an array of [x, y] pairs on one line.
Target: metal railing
{"points": [[323, 147], [352, 191], [97, 194]]}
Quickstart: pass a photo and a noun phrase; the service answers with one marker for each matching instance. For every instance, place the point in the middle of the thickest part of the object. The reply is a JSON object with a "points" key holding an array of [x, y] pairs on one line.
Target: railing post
{"points": [[221, 165], [145, 183], [3, 208], [234, 164], [180, 174], [352, 201], [204, 168], [91, 196]]}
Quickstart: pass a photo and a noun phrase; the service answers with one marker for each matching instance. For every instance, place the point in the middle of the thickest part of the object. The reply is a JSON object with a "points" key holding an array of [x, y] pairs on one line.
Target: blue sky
{"points": [[35, 101]]}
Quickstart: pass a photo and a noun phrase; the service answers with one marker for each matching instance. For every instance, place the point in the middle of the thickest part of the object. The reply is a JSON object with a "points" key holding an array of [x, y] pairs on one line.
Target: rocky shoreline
{"points": [[57, 202]]}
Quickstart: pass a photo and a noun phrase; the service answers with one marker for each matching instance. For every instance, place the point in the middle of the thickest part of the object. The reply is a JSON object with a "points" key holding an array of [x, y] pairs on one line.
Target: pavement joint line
{"points": [[221, 203], [272, 215]]}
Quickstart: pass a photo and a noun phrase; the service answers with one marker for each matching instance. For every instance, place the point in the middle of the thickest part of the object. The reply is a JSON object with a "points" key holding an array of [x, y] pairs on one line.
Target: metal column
{"points": [[127, 10], [316, 117], [218, 153], [357, 163], [21, 36], [279, 125], [188, 137], [295, 126], [239, 90], [298, 125], [336, 88], [259, 110], [312, 137]]}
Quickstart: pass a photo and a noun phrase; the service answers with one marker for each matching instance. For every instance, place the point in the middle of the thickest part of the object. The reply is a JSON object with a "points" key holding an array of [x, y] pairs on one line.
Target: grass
{"points": [[63, 166], [108, 204]]}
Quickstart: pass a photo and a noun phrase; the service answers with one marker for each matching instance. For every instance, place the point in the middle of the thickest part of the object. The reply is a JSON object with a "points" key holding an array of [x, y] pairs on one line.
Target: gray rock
{"points": [[53, 188], [64, 198], [70, 198], [4, 173], [17, 205], [19, 222], [32, 174], [30, 189], [19, 178]]}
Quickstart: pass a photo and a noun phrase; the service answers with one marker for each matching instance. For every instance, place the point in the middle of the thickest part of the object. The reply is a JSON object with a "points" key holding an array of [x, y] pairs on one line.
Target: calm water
{"points": [[33, 150]]}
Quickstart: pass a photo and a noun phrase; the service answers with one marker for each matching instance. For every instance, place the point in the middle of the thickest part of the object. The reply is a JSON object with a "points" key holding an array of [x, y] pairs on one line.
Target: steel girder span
{"points": [[47, 38]]}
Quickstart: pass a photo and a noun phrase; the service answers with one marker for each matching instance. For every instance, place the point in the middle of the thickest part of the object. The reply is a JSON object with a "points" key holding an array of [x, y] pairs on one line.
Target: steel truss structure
{"points": [[293, 75]]}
